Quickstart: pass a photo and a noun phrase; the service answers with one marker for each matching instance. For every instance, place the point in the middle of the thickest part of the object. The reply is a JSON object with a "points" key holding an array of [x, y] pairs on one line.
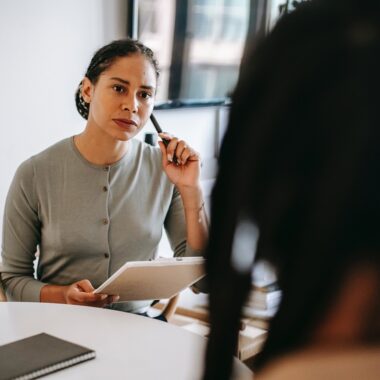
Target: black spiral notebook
{"points": [[39, 355]]}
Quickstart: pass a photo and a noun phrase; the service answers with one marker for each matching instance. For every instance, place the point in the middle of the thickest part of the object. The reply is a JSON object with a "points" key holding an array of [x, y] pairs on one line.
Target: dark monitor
{"points": [[199, 45]]}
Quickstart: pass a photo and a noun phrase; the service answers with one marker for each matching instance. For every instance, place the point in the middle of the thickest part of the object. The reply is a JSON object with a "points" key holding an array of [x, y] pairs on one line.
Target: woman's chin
{"points": [[124, 136], [119, 135]]}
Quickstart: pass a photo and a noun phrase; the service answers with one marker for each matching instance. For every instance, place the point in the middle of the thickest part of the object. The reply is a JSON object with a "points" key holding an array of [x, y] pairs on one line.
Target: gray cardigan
{"points": [[86, 220]]}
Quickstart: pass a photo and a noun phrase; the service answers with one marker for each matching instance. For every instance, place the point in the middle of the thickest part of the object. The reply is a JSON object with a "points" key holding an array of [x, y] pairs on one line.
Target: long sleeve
{"points": [[175, 226], [21, 235]]}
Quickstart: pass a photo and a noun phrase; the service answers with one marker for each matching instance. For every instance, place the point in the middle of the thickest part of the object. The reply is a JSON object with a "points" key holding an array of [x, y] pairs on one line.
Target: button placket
{"points": [[106, 220]]}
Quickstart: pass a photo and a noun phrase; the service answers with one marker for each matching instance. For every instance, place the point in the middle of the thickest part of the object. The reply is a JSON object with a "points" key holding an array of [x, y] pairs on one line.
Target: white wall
{"points": [[46, 46]]}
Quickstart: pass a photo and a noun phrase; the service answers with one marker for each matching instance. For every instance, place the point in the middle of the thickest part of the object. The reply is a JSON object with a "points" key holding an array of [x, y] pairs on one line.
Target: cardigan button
{"points": [[105, 221], [106, 255]]}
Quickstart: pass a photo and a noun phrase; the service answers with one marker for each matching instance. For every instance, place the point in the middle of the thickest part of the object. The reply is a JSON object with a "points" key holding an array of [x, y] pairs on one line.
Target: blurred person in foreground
{"points": [[300, 166]]}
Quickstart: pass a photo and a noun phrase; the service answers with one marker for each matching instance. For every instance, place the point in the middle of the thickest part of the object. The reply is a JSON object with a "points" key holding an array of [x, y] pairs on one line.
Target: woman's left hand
{"points": [[186, 172]]}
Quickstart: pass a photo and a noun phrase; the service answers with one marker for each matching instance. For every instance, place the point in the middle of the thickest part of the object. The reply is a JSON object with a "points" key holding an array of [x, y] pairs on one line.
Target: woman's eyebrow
{"points": [[124, 81], [121, 80]]}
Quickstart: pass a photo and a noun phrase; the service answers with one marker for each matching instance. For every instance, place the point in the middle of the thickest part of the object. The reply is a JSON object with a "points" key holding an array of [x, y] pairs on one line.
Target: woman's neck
{"points": [[100, 148]]}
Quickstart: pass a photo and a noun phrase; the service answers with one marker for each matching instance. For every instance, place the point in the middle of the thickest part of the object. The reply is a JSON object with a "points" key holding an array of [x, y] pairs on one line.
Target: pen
{"points": [[159, 130]]}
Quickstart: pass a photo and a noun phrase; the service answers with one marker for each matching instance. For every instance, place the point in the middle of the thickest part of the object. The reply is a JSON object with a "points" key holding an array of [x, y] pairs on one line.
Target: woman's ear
{"points": [[86, 90]]}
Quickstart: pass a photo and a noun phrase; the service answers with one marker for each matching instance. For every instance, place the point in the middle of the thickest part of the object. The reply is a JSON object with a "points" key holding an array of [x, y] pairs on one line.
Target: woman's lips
{"points": [[125, 123]]}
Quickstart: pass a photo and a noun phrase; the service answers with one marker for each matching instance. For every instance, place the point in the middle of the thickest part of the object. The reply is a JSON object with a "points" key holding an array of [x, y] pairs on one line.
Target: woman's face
{"points": [[122, 99]]}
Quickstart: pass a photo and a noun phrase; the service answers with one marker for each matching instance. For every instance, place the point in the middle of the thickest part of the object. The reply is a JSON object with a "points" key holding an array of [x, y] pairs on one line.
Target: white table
{"points": [[127, 346]]}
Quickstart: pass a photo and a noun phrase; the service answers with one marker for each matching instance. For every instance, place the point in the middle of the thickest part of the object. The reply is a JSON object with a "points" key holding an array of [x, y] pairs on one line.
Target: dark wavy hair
{"points": [[300, 161], [104, 58]]}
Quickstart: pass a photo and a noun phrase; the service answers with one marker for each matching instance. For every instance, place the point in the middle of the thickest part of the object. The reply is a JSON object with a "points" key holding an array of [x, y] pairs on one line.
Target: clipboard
{"points": [[158, 279]]}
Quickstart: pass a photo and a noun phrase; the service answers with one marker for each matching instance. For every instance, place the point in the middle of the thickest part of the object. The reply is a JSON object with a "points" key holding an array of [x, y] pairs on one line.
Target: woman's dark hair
{"points": [[104, 58], [300, 161]]}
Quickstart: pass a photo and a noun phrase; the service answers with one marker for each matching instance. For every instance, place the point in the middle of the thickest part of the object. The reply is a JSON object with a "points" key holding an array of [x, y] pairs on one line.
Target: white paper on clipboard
{"points": [[157, 279]]}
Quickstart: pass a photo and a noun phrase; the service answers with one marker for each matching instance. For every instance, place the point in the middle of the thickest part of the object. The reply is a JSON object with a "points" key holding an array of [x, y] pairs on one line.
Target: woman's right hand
{"points": [[81, 293]]}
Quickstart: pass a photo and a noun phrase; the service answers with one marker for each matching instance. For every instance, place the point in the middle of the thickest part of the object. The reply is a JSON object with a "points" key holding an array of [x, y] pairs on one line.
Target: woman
{"points": [[96, 200], [300, 165]]}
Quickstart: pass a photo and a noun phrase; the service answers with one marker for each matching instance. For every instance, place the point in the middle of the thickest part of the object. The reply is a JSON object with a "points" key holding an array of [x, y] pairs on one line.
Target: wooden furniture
{"points": [[126, 345], [169, 309], [195, 319]]}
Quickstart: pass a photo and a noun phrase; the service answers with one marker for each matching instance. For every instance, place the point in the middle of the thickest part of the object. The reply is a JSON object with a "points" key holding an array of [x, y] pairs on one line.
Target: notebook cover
{"points": [[39, 355]]}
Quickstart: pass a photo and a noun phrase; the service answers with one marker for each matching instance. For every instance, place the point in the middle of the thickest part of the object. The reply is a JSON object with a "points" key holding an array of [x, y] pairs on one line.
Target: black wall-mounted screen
{"points": [[199, 45]]}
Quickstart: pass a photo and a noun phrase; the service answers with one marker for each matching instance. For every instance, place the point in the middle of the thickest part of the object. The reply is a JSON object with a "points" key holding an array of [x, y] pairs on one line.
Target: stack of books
{"points": [[265, 296], [263, 301]]}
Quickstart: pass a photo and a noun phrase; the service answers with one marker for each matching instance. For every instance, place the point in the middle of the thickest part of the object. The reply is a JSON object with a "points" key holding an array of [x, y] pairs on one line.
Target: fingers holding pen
{"points": [[180, 162], [182, 152], [177, 151], [186, 154], [171, 144]]}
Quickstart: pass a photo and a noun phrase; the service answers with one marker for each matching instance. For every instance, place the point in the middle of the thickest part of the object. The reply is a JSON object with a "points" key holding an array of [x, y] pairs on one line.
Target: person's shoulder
{"points": [[315, 364], [24, 171], [146, 151], [46, 158], [148, 159], [53, 153]]}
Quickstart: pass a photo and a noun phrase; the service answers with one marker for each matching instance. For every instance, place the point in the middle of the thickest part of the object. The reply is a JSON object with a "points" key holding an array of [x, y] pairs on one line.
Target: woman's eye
{"points": [[145, 95], [118, 88]]}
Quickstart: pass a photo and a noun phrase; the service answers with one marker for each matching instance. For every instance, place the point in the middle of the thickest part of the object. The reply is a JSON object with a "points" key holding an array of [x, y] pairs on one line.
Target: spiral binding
{"points": [[56, 367]]}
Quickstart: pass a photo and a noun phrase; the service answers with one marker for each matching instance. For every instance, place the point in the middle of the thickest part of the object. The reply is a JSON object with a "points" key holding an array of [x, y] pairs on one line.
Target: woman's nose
{"points": [[130, 104]]}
